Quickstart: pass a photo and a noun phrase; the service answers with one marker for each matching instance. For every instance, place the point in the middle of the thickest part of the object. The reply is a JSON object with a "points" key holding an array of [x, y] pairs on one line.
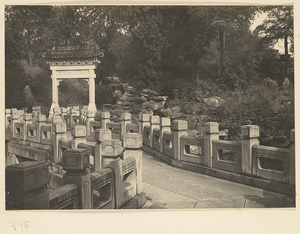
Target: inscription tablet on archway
{"points": [[69, 62]]}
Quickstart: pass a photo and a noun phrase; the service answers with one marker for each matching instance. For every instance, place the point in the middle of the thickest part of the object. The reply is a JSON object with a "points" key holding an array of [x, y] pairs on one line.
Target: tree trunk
{"points": [[286, 53], [222, 51]]}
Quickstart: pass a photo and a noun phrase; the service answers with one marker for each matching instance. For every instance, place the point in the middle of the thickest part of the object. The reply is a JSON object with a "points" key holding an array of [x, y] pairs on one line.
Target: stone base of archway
{"points": [[92, 107]]}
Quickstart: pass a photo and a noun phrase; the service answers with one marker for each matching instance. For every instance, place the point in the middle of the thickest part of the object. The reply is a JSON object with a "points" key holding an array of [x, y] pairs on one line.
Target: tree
{"points": [[277, 26]]}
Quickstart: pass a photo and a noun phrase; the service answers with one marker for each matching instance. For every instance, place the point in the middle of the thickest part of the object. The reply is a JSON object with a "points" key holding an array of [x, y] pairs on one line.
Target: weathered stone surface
{"points": [[41, 118], [211, 127], [105, 115], [154, 119], [132, 140], [144, 117], [179, 125], [250, 131], [27, 117], [76, 159], [103, 135], [79, 131], [26, 176], [125, 116], [149, 92], [165, 122], [60, 128], [112, 148]]}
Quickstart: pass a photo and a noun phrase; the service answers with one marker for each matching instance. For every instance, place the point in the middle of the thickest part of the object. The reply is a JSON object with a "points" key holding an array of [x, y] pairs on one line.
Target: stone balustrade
{"points": [[243, 161]]}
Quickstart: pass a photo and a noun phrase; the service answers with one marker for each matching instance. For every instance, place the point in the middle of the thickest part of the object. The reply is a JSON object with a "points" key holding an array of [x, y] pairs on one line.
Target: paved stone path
{"points": [[167, 187]]}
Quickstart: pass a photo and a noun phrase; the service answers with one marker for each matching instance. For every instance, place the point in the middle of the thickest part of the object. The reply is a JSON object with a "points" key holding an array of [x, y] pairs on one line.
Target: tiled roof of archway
{"points": [[74, 52]]}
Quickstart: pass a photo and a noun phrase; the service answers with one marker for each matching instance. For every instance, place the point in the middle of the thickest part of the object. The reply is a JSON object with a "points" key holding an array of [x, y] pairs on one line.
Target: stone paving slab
{"points": [[168, 187]]}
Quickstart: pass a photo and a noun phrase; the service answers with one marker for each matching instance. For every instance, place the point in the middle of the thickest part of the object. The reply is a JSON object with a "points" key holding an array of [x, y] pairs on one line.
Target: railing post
{"points": [[292, 158], [105, 118], [144, 120], [100, 136], [60, 130], [79, 135], [63, 113], [125, 119], [250, 134], [75, 162], [89, 118], [27, 119], [165, 126], [111, 152], [132, 142], [7, 115], [179, 128], [21, 113], [14, 119], [155, 124], [34, 114], [40, 121], [211, 132], [26, 186]]}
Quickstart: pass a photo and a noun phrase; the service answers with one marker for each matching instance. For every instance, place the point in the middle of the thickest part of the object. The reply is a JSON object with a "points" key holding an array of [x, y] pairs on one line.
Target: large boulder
{"points": [[213, 101], [149, 92]]}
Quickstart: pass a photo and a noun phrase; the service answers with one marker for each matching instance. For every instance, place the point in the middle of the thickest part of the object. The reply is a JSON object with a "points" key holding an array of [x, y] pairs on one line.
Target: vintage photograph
{"points": [[181, 107]]}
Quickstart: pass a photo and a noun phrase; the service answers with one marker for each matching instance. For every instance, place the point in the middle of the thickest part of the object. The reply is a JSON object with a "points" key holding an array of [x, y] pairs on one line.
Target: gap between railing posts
{"points": [[75, 163], [132, 142], [179, 128], [250, 134]]}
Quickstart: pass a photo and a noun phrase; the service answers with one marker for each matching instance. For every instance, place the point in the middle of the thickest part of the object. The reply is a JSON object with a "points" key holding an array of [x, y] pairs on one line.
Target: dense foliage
{"points": [[199, 51]]}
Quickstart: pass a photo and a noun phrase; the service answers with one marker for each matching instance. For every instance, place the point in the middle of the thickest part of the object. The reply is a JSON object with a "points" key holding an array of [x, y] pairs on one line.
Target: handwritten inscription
{"points": [[20, 225]]}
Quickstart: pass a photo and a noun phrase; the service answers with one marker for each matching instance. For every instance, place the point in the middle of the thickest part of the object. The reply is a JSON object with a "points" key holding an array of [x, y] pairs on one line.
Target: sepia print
{"points": [[149, 107]]}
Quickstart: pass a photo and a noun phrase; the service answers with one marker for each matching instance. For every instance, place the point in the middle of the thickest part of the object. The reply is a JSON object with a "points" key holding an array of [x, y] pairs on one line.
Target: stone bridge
{"points": [[71, 161]]}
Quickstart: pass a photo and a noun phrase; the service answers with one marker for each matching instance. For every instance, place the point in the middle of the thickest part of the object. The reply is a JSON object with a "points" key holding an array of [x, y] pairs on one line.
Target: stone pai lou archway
{"points": [[69, 62]]}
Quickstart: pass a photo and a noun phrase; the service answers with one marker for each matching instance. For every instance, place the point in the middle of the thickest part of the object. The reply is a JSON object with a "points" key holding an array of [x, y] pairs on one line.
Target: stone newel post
{"points": [[27, 119], [125, 119], [211, 132], [60, 130], [144, 120], [105, 118], [250, 134], [155, 124], [26, 186], [100, 136], [179, 128], [165, 126], [89, 118], [132, 143], [75, 162], [79, 135], [41, 120]]}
